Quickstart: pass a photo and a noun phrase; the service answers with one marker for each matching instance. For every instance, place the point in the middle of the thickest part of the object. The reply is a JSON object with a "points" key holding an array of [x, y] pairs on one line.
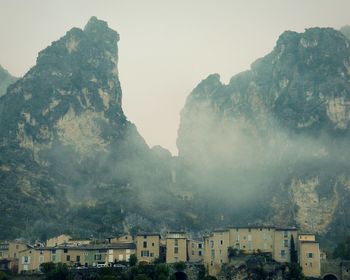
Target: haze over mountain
{"points": [[6, 79], [271, 146]]}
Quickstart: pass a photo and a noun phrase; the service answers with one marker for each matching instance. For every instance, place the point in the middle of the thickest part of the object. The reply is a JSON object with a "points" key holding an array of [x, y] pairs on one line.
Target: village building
{"points": [[194, 250], [148, 247], [58, 240], [73, 256], [176, 247]]}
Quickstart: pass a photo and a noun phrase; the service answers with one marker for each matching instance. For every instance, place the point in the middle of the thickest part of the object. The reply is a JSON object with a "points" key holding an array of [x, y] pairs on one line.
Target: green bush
{"points": [[3, 276], [133, 260], [180, 266]]}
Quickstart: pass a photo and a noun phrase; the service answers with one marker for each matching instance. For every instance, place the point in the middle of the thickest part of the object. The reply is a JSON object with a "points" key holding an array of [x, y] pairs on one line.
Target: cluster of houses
{"points": [[213, 250]]}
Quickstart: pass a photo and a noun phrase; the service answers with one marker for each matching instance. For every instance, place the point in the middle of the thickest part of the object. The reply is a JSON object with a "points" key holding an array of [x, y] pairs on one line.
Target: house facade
{"points": [[148, 247]]}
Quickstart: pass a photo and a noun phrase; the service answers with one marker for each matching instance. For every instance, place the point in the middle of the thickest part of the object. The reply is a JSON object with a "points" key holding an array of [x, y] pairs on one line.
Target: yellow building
{"points": [[120, 252], [126, 238], [176, 247], [4, 250], [306, 237], [309, 258], [86, 255], [216, 250], [148, 246], [282, 241], [58, 240], [10, 251], [252, 239], [31, 259], [247, 240], [195, 250]]}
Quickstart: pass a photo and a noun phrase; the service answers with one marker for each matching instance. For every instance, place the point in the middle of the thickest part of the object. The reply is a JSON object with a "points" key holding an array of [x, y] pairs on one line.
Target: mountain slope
{"points": [[70, 159], [272, 145]]}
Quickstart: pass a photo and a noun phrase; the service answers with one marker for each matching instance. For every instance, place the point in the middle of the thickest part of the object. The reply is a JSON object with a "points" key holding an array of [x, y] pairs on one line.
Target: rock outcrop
{"points": [[276, 137], [70, 159]]}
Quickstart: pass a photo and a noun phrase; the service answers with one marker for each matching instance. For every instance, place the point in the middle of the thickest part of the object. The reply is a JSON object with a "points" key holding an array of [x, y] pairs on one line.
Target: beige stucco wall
{"points": [[253, 239], [176, 250], [195, 250], [311, 265], [152, 246], [282, 241], [58, 240]]}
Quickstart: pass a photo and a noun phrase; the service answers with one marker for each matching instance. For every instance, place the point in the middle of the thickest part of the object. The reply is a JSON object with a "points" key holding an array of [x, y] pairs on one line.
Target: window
{"points": [[285, 234], [151, 255], [78, 258], [53, 258], [238, 246], [53, 251], [200, 253], [283, 253], [65, 250], [25, 259], [144, 244], [211, 243], [310, 264], [176, 250], [192, 253], [286, 243], [145, 253], [152, 244], [200, 246], [310, 255], [41, 259], [68, 258], [176, 242], [212, 253], [98, 257], [145, 236], [192, 245], [221, 242], [220, 252]]}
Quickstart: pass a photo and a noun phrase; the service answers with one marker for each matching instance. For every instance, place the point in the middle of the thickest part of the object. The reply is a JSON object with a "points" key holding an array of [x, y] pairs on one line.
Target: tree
{"points": [[180, 266], [161, 271], [3, 276], [142, 277], [60, 272], [232, 252], [47, 267], [294, 272], [133, 260], [293, 251]]}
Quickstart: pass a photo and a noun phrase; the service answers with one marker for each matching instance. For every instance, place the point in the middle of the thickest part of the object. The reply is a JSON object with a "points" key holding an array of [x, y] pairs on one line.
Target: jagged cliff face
{"points": [[6, 79], [277, 135], [70, 159]]}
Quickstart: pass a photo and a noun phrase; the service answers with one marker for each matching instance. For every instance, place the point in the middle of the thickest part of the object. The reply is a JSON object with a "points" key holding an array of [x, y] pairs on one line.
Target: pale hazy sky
{"points": [[166, 47]]}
